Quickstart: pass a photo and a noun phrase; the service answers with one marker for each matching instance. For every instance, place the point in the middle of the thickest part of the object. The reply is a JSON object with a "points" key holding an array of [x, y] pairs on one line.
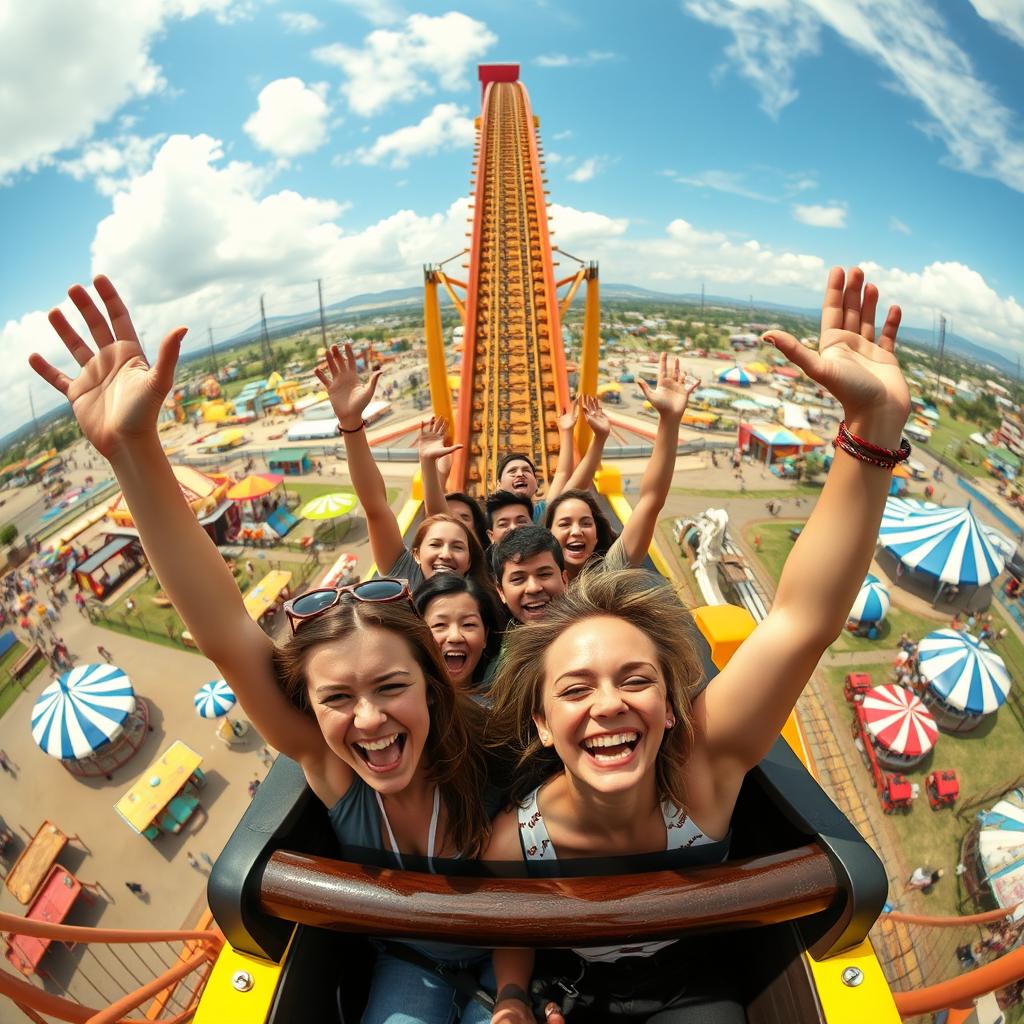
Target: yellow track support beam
{"points": [[456, 301], [437, 370], [590, 353], [577, 280]]}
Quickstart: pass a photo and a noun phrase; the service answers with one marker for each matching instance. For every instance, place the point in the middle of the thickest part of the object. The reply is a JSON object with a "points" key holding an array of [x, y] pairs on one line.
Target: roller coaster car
{"points": [[783, 922]]}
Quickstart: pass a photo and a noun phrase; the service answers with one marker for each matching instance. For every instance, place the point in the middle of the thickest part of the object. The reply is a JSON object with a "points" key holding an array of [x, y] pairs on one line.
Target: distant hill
{"points": [[406, 298]]}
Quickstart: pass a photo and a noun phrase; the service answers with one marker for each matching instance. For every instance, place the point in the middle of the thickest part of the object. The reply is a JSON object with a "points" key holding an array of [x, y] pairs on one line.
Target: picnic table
{"points": [[52, 904], [263, 596], [35, 862], [156, 802]]}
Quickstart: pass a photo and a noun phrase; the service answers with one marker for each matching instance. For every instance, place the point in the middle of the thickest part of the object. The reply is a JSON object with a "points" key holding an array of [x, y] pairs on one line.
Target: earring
{"points": [[669, 722], [545, 739]]}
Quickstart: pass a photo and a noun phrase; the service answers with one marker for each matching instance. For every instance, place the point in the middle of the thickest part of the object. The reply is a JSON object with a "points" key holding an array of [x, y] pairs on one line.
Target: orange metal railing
{"points": [[198, 950]]}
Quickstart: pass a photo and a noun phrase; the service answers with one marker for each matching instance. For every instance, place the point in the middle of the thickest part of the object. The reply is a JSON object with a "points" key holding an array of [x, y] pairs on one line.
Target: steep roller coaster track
{"points": [[513, 382]]}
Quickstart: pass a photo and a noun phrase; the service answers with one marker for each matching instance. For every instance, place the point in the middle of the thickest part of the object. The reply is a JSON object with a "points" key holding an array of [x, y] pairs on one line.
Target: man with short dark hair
{"points": [[529, 571], [505, 510]]}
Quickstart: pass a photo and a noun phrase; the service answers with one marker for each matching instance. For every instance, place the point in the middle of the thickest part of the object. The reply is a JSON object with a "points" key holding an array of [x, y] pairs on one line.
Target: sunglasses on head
{"points": [[379, 591]]}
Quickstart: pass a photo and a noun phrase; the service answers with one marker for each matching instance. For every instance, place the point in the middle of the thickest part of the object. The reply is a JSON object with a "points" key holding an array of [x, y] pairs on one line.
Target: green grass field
{"points": [[946, 439], [775, 543], [984, 759], [10, 690]]}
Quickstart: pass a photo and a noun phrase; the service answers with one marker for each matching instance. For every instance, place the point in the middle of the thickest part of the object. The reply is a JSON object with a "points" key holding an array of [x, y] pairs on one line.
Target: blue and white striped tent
{"points": [[947, 543], [964, 671], [736, 375], [872, 603], [214, 699], [1001, 848], [81, 710]]}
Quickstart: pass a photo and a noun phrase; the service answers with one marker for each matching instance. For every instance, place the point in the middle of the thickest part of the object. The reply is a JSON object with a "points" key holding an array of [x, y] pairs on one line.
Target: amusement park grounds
{"points": [[983, 759]]}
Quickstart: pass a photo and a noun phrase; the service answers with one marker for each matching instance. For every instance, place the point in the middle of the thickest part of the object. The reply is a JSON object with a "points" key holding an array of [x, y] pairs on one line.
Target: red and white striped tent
{"points": [[899, 721]]}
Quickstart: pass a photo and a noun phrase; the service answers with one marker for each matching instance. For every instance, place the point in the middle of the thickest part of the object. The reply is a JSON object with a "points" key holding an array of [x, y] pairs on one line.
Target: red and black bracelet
{"points": [[354, 430], [865, 451]]}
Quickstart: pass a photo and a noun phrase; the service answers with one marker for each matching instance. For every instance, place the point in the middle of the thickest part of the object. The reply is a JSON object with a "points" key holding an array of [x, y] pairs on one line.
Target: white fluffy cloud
{"points": [[1007, 16], [446, 126], [564, 60], [290, 119], [908, 39], [58, 84], [397, 65], [586, 170], [377, 12], [830, 216], [300, 22], [112, 163]]}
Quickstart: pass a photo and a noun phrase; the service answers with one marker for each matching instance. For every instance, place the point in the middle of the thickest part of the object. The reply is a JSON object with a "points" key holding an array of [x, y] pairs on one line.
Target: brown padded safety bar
{"points": [[581, 911]]}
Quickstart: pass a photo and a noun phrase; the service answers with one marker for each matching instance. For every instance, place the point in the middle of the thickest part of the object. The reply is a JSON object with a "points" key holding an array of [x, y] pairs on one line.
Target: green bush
{"points": [[8, 533]]}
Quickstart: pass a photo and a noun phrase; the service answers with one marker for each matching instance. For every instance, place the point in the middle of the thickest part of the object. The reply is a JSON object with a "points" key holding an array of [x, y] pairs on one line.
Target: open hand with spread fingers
{"points": [[116, 397], [860, 371], [595, 416], [567, 421], [672, 392], [348, 394], [432, 445]]}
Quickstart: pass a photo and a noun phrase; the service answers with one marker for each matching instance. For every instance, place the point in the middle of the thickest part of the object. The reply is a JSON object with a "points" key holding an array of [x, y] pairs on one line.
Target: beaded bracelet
{"points": [[354, 430], [865, 451]]}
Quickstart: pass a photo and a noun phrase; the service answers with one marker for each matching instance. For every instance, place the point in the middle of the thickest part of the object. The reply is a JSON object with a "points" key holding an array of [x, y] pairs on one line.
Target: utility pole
{"points": [[266, 350], [702, 300], [942, 349], [213, 354], [35, 422], [323, 322]]}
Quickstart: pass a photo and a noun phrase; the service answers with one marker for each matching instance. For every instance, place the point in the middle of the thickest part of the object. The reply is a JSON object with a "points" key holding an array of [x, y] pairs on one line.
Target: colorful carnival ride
{"points": [[786, 918]]}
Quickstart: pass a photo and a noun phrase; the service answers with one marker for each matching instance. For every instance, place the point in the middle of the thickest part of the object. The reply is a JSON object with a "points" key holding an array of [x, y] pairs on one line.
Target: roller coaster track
{"points": [[513, 383]]}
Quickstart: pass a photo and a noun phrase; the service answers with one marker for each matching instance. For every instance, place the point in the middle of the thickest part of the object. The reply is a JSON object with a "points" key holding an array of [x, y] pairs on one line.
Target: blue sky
{"points": [[204, 152]]}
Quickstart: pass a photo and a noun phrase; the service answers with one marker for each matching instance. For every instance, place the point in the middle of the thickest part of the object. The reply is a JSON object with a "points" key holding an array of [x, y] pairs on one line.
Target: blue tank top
{"points": [[356, 819]]}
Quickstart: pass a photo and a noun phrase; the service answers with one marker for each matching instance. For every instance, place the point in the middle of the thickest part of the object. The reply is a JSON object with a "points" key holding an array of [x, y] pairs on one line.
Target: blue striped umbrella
{"points": [[735, 375], [214, 699], [947, 543], [872, 603], [963, 670], [81, 710]]}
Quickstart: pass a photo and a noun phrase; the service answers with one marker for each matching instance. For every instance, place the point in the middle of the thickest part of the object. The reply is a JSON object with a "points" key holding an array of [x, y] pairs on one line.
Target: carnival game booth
{"points": [[966, 679], [290, 461], [947, 545], [768, 442], [993, 853], [167, 794], [106, 569], [91, 720], [206, 494], [775, 926], [899, 726]]}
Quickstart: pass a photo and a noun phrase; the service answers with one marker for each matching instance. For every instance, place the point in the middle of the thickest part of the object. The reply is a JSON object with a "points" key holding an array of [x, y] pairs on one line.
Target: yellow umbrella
{"points": [[756, 367], [329, 506]]}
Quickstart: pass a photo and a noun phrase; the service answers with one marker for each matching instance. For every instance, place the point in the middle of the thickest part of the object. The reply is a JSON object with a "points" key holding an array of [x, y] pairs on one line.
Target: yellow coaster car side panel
{"points": [[868, 1002], [225, 999]]}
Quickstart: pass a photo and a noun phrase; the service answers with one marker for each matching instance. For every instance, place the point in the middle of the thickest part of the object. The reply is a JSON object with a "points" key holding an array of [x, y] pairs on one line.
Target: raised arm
{"points": [[752, 696], [669, 397], [432, 451], [582, 478], [349, 397], [116, 399], [566, 453]]}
